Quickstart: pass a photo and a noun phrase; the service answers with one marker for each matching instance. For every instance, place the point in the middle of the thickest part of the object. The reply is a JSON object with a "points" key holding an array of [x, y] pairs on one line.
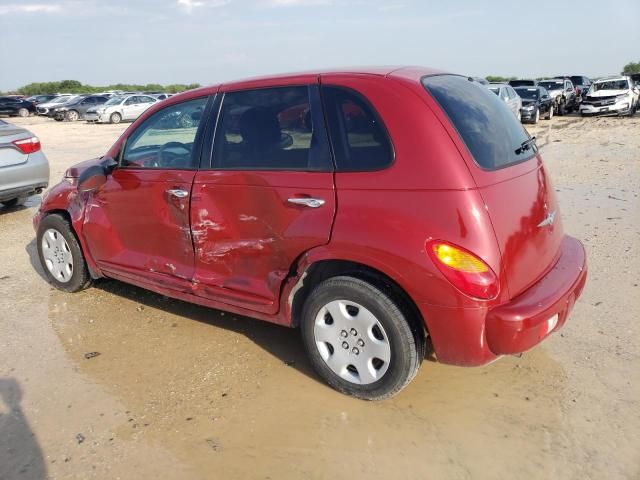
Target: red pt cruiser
{"points": [[373, 209]]}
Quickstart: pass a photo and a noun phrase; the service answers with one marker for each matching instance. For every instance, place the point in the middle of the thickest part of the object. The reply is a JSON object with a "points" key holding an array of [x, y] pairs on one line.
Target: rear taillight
{"points": [[28, 145], [468, 273]]}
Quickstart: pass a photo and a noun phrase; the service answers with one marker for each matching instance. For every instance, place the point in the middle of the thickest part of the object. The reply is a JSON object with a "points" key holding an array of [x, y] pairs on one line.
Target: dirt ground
{"points": [[180, 391]]}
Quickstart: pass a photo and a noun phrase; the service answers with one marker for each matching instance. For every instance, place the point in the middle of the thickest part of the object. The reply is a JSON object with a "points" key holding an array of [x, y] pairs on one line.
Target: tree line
{"points": [[74, 86]]}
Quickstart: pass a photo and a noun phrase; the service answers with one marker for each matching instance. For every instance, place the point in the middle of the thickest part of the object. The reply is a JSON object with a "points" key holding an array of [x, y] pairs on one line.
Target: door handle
{"points": [[178, 193], [307, 202]]}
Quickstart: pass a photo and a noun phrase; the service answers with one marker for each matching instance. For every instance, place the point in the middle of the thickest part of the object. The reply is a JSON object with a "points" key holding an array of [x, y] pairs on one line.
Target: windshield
{"points": [[529, 93], [577, 80], [610, 85], [491, 132], [114, 101], [553, 85], [64, 99]]}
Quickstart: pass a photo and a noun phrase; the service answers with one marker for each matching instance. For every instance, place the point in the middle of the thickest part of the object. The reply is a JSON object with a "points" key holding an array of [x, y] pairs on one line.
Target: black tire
{"points": [[549, 114], [14, 202], [536, 117], [115, 118], [562, 108], [80, 277], [406, 348], [23, 112]]}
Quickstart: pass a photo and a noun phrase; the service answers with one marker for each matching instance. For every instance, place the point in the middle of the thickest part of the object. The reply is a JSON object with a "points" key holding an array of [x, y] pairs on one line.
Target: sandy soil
{"points": [[180, 391]]}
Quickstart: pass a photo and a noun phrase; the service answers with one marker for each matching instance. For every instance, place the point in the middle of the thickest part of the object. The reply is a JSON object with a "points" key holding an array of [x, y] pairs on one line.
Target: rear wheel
{"points": [[359, 339], [23, 112], [60, 255], [115, 118]]}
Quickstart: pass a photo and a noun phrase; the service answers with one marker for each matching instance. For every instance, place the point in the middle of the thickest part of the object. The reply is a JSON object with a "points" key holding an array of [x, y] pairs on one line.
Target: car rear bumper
{"points": [[24, 179], [529, 318], [476, 336]]}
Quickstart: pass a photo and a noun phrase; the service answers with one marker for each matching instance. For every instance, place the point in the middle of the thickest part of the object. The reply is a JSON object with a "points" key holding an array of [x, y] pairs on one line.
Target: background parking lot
{"points": [[181, 391]]}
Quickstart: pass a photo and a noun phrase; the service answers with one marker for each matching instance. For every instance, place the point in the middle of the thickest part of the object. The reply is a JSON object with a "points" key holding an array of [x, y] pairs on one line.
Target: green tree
{"points": [[499, 79], [631, 67]]}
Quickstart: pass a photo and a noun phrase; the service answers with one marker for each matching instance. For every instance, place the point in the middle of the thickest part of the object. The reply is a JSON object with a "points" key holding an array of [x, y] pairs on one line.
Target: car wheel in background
{"points": [[359, 339], [115, 118], [72, 116], [23, 112], [519, 116], [549, 115], [14, 202], [536, 117], [562, 108], [60, 254]]}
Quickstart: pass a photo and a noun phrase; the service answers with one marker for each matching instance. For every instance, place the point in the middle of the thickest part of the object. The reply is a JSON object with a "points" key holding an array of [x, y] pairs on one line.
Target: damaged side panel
{"points": [[247, 233]]}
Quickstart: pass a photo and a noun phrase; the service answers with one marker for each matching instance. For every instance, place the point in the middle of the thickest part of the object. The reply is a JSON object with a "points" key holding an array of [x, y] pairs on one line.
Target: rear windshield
{"points": [[491, 132], [522, 83], [528, 93]]}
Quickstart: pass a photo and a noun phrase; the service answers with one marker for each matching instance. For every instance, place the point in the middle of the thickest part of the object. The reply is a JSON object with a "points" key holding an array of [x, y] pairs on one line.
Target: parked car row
{"points": [[103, 107], [530, 99]]}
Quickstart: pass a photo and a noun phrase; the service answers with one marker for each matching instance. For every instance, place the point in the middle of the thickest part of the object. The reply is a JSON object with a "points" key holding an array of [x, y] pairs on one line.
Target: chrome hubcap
{"points": [[352, 342], [57, 255]]}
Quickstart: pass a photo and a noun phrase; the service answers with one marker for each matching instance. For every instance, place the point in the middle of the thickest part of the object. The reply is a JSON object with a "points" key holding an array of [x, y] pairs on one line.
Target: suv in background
{"points": [[37, 99], [15, 106], [563, 94], [404, 205], [46, 107], [611, 96], [76, 109]]}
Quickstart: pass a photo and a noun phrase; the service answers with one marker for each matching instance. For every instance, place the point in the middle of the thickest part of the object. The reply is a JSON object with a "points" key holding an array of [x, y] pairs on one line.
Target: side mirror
{"points": [[92, 179]]}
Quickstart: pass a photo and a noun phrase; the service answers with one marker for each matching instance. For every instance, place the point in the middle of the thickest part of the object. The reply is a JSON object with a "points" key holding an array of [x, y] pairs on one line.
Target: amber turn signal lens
{"points": [[459, 260], [464, 270]]}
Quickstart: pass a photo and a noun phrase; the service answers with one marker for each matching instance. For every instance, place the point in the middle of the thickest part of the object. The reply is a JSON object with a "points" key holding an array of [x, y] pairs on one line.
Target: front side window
{"points": [[493, 135], [360, 139], [272, 129], [167, 138]]}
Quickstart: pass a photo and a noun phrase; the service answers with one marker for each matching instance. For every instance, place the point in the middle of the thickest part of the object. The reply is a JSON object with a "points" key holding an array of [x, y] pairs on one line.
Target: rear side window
{"points": [[489, 129], [272, 129], [360, 140]]}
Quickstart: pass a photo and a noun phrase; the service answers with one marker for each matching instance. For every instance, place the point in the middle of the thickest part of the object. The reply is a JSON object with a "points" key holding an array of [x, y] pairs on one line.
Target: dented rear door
{"points": [[267, 198]]}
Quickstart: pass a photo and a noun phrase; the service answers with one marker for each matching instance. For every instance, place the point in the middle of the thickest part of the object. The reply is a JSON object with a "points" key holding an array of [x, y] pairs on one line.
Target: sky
{"points": [[101, 42]]}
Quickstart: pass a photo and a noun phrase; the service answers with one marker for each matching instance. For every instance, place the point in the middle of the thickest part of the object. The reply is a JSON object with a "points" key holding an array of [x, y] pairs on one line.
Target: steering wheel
{"points": [[162, 157]]}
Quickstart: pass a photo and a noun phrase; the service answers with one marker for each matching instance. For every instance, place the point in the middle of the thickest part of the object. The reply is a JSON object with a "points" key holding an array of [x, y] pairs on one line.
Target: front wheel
{"points": [[14, 202], [72, 116], [60, 255], [536, 117], [23, 112], [359, 340], [115, 118], [549, 113], [562, 108]]}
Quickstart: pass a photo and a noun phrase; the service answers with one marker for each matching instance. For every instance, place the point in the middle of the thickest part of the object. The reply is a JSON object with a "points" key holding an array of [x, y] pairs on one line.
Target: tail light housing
{"points": [[28, 145], [464, 270]]}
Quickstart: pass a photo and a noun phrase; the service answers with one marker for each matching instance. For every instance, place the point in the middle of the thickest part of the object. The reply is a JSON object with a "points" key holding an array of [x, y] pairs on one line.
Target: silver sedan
{"points": [[24, 169], [509, 96]]}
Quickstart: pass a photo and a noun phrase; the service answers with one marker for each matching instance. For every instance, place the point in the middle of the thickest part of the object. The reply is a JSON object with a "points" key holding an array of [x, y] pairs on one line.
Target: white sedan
{"points": [[117, 109]]}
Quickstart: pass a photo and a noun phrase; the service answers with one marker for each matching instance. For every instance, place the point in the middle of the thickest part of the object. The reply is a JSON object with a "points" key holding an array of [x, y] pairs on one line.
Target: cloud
{"points": [[29, 8], [189, 5]]}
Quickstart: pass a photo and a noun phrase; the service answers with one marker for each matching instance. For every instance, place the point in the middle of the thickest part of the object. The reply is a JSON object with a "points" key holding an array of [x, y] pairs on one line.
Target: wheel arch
{"points": [[311, 273]]}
